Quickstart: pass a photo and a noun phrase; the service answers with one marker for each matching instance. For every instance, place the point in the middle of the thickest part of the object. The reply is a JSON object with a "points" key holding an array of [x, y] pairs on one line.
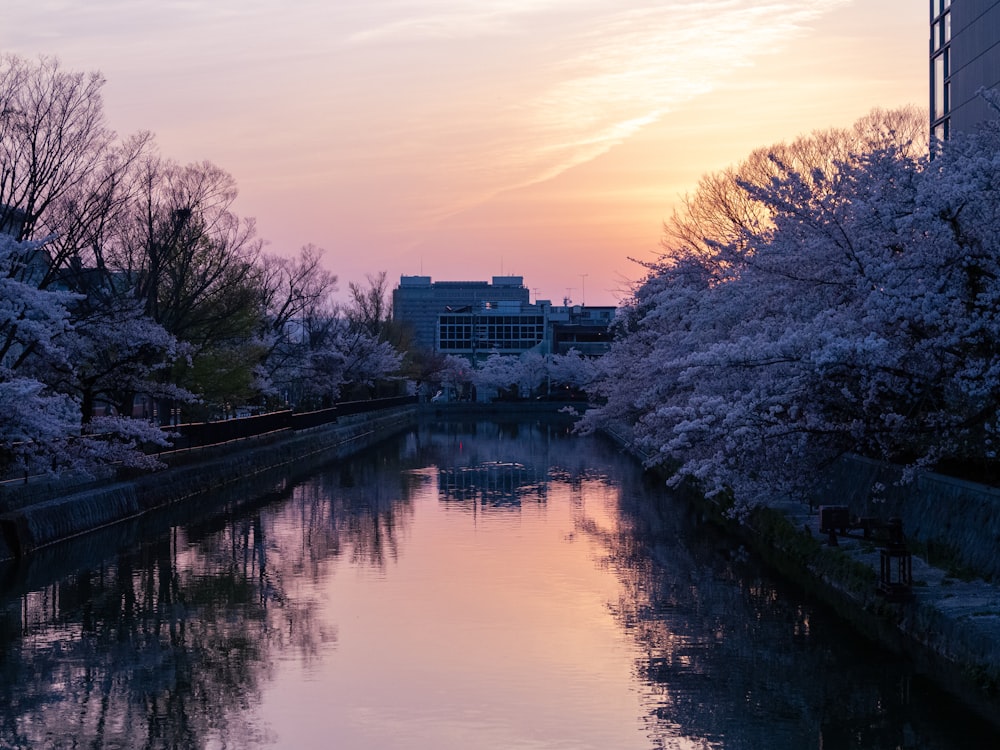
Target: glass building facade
{"points": [[964, 58], [475, 319], [418, 301], [940, 68], [490, 330]]}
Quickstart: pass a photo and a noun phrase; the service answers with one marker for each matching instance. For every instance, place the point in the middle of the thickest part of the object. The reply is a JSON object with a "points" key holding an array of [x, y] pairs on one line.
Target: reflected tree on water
{"points": [[722, 650], [137, 654], [172, 644], [357, 511]]}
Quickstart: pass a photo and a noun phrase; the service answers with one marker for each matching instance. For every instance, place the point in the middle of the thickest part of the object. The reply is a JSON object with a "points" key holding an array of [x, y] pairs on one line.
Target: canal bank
{"points": [[490, 582], [948, 625], [950, 628], [45, 513]]}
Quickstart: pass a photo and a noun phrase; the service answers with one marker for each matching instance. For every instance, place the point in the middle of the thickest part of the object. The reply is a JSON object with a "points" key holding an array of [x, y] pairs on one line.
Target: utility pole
{"points": [[583, 288]]}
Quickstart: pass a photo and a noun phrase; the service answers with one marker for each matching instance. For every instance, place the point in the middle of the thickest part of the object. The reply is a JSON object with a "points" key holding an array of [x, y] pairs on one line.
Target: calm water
{"points": [[468, 586]]}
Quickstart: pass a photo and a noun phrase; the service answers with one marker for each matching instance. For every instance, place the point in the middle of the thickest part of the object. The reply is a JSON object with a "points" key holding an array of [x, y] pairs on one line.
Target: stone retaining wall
{"points": [[39, 524], [955, 515]]}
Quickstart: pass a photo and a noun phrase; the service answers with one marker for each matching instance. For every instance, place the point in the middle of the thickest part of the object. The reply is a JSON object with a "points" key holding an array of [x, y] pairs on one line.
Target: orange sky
{"points": [[544, 138]]}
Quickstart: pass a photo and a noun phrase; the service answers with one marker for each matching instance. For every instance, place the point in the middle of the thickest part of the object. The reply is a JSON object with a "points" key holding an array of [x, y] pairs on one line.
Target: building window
{"points": [[941, 32], [941, 132], [940, 107], [502, 332]]}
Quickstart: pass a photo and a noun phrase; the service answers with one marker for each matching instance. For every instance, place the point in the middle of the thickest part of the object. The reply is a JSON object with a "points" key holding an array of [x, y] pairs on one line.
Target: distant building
{"points": [[419, 301], [35, 261], [964, 57], [475, 318], [585, 329], [12, 221], [505, 327]]}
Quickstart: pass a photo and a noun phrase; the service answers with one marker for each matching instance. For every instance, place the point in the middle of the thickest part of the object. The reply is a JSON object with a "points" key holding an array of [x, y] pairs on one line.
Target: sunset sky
{"points": [[543, 138]]}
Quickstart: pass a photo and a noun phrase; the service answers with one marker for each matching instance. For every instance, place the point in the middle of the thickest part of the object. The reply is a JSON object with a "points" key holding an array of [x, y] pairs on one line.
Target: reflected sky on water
{"points": [[466, 585]]}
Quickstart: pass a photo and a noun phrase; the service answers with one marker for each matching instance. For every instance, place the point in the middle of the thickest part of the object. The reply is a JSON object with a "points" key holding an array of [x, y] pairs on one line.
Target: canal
{"points": [[465, 585]]}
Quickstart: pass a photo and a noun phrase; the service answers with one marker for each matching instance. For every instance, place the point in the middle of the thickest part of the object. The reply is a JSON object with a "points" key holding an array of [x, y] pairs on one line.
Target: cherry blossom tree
{"points": [[572, 370], [533, 373], [116, 354], [43, 356], [366, 359], [320, 355], [316, 350], [455, 373], [498, 372], [857, 312], [32, 416]]}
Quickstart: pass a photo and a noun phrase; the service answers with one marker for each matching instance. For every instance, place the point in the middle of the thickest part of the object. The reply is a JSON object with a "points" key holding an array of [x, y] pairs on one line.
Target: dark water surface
{"points": [[499, 587]]}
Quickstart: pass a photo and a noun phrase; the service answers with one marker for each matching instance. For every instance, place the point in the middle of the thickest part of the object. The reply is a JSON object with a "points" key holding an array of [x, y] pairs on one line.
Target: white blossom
{"points": [[858, 312]]}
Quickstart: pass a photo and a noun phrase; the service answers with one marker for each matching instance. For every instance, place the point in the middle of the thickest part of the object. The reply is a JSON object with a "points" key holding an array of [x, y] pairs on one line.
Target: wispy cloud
{"points": [[408, 21], [641, 64], [439, 103], [601, 74]]}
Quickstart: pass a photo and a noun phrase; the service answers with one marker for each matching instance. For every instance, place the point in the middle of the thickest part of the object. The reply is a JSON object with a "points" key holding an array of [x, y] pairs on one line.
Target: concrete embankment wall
{"points": [[951, 626], [956, 516], [207, 472]]}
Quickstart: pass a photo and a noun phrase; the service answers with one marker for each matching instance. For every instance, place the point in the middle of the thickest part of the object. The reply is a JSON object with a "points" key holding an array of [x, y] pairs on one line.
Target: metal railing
{"points": [[191, 435], [200, 434]]}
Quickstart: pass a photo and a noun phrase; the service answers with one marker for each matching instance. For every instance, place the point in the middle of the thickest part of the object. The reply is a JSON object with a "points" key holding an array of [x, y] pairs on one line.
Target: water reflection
{"points": [[357, 510], [475, 467], [145, 650], [476, 584], [167, 644], [730, 658]]}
